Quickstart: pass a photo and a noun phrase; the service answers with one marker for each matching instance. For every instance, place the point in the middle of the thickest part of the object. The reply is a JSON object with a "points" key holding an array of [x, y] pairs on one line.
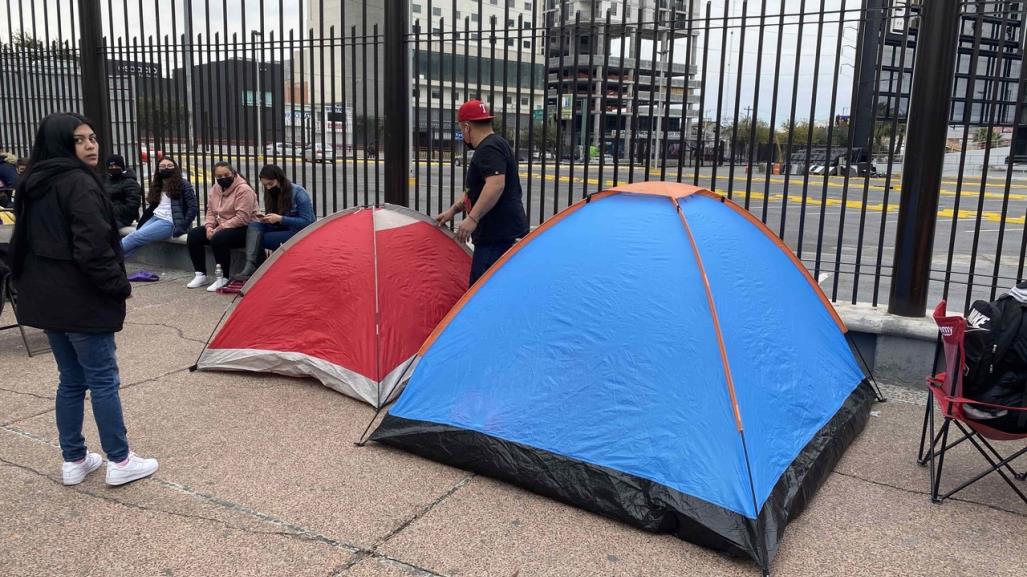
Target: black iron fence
{"points": [[795, 109]]}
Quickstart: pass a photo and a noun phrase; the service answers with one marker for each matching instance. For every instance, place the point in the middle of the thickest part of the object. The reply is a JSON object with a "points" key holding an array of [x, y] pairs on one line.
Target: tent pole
{"points": [[870, 372]]}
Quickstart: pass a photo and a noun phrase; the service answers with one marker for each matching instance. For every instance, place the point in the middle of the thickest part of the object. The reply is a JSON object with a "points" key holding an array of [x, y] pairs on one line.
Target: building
{"points": [[600, 110], [34, 87], [984, 93], [453, 59], [227, 95]]}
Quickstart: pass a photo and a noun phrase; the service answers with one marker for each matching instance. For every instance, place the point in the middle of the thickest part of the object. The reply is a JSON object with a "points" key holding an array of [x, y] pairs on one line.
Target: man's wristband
{"points": [[471, 216]]}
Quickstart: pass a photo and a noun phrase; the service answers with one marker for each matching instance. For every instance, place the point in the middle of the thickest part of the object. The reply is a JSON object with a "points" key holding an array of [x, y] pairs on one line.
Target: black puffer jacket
{"points": [[126, 197], [67, 260]]}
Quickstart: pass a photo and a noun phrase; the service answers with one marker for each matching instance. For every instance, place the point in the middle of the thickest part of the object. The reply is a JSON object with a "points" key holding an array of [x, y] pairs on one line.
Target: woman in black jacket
{"points": [[170, 208], [68, 268]]}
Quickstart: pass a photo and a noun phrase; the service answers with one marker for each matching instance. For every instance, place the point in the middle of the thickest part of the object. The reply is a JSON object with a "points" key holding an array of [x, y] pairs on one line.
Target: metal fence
{"points": [[795, 109]]}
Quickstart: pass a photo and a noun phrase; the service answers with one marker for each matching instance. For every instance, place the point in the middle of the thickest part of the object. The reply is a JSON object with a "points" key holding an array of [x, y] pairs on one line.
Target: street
{"points": [[815, 217]]}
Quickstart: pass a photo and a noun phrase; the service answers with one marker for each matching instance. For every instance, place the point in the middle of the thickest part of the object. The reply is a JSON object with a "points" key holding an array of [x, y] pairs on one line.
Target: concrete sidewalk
{"points": [[259, 476]]}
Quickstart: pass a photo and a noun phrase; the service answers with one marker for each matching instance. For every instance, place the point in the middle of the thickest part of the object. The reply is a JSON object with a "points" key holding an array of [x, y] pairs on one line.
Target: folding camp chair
{"points": [[7, 294], [946, 389]]}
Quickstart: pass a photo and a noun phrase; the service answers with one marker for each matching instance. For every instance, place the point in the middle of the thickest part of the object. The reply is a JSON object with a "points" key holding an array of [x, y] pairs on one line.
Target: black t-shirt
{"points": [[506, 221]]}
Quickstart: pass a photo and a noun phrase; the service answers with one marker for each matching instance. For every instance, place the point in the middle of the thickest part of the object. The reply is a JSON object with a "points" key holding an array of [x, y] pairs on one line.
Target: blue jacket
{"points": [[183, 212], [302, 212]]}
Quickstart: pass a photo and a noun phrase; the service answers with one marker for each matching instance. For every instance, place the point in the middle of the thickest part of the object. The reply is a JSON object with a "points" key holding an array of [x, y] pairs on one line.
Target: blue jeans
{"points": [[273, 236], [85, 361], [486, 255], [152, 230]]}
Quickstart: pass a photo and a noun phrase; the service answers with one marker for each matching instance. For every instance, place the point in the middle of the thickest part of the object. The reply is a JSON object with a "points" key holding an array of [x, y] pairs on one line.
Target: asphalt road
{"points": [[810, 213]]}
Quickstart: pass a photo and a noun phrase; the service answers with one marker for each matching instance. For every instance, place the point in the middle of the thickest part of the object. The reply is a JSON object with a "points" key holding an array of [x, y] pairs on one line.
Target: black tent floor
{"points": [[638, 501]]}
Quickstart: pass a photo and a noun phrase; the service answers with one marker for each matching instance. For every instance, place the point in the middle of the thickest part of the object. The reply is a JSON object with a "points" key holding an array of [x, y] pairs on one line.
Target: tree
{"points": [[982, 137], [543, 140], [157, 115], [35, 49], [369, 127], [743, 131]]}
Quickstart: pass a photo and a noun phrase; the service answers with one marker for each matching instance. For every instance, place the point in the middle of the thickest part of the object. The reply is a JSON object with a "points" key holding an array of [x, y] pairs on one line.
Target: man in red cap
{"points": [[493, 213]]}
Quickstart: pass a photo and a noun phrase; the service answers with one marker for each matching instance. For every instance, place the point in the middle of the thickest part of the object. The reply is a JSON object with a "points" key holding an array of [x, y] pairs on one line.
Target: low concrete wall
{"points": [[900, 350], [174, 254]]}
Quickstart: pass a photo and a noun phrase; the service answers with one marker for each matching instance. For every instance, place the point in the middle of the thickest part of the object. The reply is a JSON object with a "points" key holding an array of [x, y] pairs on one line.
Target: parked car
{"points": [[149, 151], [319, 153], [458, 160], [280, 149]]}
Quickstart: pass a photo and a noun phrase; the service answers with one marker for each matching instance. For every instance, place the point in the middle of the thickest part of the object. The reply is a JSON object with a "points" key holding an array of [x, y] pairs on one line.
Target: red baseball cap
{"points": [[473, 110]]}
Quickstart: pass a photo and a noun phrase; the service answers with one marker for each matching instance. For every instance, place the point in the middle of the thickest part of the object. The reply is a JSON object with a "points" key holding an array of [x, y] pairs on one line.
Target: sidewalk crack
{"points": [[927, 494], [181, 334], [290, 532], [424, 511], [45, 398]]}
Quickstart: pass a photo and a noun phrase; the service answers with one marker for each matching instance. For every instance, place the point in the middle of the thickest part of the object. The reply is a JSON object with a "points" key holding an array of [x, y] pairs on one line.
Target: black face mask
{"points": [[115, 172], [166, 172], [275, 190], [225, 181]]}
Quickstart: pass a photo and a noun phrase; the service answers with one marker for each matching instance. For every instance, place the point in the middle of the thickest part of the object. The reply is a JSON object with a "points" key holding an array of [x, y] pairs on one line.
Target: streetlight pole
{"points": [[258, 99]]}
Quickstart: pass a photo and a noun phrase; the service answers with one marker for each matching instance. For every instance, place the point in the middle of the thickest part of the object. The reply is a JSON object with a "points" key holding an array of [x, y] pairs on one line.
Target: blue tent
{"points": [[654, 354]]}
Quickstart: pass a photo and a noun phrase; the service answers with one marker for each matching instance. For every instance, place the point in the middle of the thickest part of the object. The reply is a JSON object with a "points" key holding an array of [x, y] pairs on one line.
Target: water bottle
{"points": [[219, 275]]}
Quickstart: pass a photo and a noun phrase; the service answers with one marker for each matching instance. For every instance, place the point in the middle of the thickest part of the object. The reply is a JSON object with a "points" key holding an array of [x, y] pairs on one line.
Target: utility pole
{"points": [[258, 98], [865, 71]]}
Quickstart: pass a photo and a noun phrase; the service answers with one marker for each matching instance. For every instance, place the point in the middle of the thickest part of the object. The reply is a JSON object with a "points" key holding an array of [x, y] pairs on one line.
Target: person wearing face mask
{"points": [[170, 208], [124, 191], [493, 212], [231, 206], [67, 263], [289, 210]]}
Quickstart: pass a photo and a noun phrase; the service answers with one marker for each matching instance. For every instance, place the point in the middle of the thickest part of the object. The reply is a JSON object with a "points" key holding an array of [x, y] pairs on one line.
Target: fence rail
{"points": [[794, 109]]}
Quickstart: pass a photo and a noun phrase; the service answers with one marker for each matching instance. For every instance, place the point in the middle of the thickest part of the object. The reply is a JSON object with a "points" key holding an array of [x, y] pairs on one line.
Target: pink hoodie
{"points": [[233, 208]]}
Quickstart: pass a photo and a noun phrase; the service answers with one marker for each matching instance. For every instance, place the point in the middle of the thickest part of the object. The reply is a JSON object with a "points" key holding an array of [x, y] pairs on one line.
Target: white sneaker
{"points": [[214, 286], [133, 469], [75, 473], [199, 280]]}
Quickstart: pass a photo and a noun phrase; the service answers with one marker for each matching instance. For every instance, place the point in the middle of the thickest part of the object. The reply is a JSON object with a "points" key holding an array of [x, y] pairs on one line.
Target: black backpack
{"points": [[995, 343]]}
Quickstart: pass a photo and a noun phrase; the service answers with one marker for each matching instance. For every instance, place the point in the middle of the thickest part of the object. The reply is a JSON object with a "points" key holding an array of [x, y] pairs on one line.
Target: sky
{"points": [[170, 16]]}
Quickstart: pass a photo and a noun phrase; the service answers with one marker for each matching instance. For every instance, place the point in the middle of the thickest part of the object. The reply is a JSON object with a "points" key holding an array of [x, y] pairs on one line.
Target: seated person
{"points": [[123, 190], [170, 208], [288, 210], [231, 206]]}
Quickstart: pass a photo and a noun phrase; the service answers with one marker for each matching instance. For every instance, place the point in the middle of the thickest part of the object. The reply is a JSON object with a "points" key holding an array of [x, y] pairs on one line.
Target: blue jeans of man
{"points": [[272, 236], [486, 255], [152, 230], [86, 361]]}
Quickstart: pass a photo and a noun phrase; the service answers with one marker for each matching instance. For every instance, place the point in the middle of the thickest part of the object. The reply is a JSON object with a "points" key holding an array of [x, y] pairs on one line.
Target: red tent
{"points": [[348, 301]]}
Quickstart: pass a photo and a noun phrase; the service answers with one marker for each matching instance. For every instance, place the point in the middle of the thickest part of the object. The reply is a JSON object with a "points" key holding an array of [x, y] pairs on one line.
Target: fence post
{"points": [[927, 125], [397, 103], [96, 102], [863, 105]]}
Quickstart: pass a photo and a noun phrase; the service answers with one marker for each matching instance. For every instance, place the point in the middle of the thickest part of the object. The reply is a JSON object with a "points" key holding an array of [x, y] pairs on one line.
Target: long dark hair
{"points": [[171, 185], [54, 146], [281, 203], [55, 137]]}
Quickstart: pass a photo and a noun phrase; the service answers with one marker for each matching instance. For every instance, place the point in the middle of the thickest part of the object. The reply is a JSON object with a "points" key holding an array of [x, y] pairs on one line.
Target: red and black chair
{"points": [[946, 390], [9, 295]]}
